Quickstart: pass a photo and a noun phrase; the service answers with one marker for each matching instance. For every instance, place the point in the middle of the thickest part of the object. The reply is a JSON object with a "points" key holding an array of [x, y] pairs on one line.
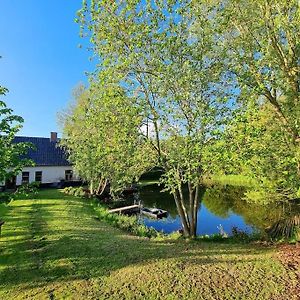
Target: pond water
{"points": [[221, 206]]}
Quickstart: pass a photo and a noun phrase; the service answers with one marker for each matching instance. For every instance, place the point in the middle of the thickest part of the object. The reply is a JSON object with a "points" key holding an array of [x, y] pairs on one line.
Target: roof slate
{"points": [[46, 152]]}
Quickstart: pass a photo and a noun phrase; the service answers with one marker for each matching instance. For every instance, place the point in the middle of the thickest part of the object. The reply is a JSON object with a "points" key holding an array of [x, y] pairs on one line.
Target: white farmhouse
{"points": [[51, 166]]}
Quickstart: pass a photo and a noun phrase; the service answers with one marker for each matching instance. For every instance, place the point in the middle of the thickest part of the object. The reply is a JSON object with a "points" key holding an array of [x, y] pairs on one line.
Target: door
{"points": [[11, 183]]}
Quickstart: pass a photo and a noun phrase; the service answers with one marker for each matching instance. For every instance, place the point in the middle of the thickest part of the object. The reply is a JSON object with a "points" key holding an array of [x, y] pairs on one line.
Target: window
{"points": [[68, 175], [25, 177], [38, 176]]}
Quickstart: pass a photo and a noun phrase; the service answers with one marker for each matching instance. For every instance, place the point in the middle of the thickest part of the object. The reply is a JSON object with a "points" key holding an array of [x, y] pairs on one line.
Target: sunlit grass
{"points": [[53, 247], [233, 180], [144, 183]]}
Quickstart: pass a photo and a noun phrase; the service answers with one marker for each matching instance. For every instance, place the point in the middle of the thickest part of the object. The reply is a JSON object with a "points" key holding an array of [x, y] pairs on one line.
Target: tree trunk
{"points": [[191, 210], [183, 217], [195, 212], [181, 197], [91, 188], [101, 186], [188, 220], [194, 205]]}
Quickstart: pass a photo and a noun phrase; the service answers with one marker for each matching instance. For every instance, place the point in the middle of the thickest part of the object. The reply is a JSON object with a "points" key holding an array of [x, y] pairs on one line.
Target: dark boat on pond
{"points": [[155, 213]]}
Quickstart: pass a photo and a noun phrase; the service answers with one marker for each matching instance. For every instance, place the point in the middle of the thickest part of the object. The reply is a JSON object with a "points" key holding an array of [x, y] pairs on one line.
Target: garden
{"points": [[192, 110]]}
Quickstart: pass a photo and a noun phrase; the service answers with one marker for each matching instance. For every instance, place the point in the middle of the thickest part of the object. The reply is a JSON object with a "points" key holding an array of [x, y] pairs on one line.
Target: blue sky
{"points": [[41, 61]]}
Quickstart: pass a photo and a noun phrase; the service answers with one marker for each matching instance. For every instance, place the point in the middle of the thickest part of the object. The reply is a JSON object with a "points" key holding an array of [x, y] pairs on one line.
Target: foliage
{"points": [[287, 228], [5, 197], [4, 209], [27, 190], [10, 160], [259, 41], [215, 87], [75, 191], [171, 76], [102, 136], [217, 237], [23, 191], [259, 151], [128, 223], [239, 234]]}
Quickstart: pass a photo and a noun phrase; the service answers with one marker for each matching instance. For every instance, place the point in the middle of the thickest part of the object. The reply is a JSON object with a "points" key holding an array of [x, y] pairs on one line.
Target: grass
{"points": [[53, 247], [233, 180], [3, 209], [129, 224]]}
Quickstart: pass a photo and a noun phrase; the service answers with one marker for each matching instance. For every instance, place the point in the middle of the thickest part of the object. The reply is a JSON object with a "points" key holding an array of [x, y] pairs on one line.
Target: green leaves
{"points": [[169, 74], [102, 134], [10, 124], [194, 87], [259, 39]]}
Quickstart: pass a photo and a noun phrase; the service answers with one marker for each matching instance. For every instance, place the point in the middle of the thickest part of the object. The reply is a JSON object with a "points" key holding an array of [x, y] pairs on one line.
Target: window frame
{"points": [[68, 175], [23, 181], [40, 174]]}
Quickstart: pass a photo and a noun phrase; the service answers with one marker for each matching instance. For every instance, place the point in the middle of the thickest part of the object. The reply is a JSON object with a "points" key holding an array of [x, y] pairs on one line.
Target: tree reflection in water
{"points": [[224, 202]]}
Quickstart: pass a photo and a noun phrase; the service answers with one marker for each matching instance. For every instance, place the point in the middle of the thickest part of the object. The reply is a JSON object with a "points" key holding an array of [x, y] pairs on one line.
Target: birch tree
{"points": [[172, 75]]}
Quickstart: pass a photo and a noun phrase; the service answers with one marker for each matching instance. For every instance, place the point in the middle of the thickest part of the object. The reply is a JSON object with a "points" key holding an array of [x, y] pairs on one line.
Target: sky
{"points": [[41, 60]]}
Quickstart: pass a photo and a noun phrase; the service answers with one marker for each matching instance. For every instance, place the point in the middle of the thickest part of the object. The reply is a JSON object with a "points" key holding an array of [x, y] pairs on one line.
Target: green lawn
{"points": [[54, 248]]}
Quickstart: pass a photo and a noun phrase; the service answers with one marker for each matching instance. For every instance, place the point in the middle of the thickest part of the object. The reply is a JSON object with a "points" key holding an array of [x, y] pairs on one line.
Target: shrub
{"points": [[239, 234], [5, 197], [75, 191], [27, 190], [79, 192], [127, 223], [286, 229], [217, 237]]}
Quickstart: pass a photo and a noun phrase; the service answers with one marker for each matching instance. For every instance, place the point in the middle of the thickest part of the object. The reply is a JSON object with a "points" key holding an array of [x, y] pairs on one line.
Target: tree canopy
{"points": [[10, 153], [196, 88], [260, 42]]}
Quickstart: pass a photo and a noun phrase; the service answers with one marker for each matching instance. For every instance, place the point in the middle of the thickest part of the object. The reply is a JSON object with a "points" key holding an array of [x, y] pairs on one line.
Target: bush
{"points": [[75, 191], [286, 229], [5, 197], [27, 190], [239, 234], [216, 237], [127, 223]]}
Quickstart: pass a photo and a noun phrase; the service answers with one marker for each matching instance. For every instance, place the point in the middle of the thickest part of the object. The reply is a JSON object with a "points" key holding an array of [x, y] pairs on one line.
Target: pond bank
{"points": [[223, 210]]}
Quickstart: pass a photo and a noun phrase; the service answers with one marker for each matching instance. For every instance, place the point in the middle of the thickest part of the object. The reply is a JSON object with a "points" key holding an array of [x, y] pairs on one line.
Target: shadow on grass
{"points": [[48, 240]]}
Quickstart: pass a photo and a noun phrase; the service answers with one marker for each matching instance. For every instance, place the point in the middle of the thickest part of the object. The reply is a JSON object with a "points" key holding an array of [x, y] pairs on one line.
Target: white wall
{"points": [[49, 174]]}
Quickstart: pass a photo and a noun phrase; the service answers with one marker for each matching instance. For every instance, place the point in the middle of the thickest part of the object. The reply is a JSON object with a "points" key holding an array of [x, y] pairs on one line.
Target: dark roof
{"points": [[46, 152]]}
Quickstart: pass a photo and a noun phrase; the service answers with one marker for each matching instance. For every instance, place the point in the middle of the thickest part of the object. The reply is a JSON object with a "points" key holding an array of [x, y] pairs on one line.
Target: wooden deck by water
{"points": [[125, 209]]}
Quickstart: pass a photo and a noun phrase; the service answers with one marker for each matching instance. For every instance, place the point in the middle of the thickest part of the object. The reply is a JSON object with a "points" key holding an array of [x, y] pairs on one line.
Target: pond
{"points": [[221, 207]]}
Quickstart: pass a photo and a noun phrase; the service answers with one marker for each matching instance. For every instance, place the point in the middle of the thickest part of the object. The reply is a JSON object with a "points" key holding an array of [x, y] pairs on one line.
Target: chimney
{"points": [[53, 137]]}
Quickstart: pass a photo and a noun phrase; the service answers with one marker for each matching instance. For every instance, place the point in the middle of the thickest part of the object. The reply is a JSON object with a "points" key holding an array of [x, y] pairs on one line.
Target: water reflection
{"points": [[220, 206]]}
